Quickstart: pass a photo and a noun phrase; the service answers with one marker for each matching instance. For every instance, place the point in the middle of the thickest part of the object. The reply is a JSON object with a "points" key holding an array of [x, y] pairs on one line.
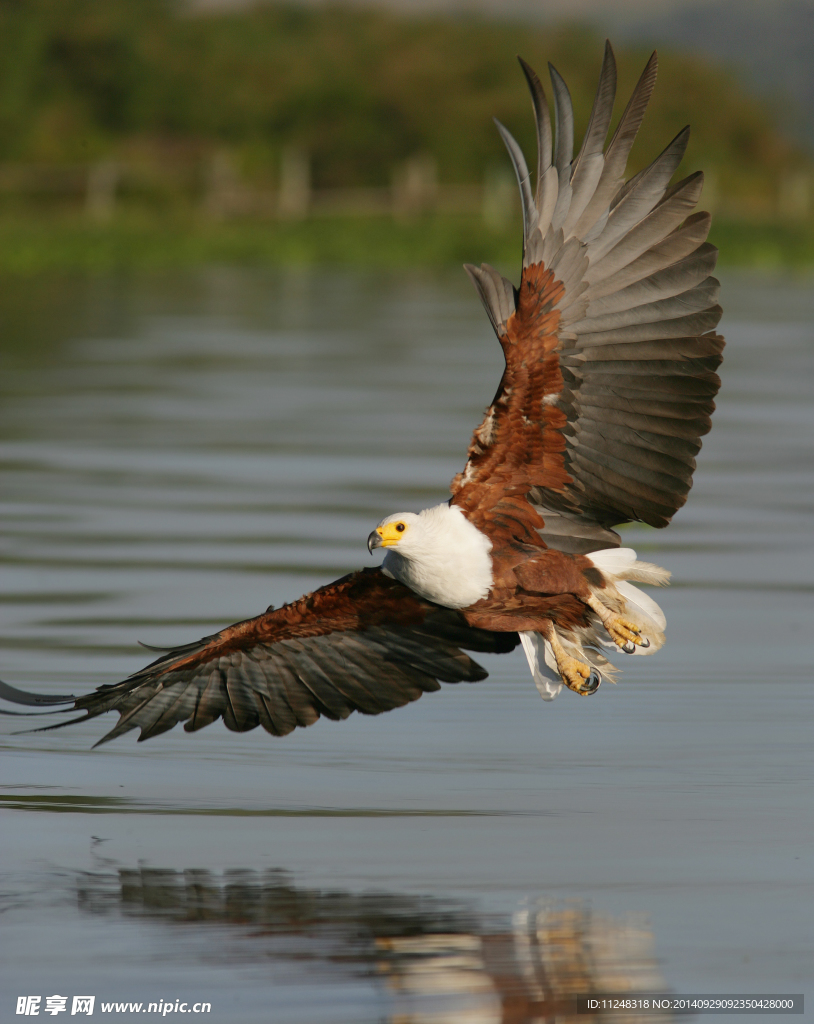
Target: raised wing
{"points": [[609, 341], [364, 643]]}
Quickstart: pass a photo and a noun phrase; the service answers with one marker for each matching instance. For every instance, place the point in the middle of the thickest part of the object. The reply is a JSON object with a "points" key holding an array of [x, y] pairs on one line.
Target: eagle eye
{"points": [[400, 527]]}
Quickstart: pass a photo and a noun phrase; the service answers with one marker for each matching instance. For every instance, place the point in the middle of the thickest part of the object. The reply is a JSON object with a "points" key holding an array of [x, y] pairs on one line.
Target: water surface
{"points": [[179, 452]]}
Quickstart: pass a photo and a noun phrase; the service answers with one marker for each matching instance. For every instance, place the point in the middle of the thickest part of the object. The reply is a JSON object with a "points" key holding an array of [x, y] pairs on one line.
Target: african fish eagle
{"points": [[609, 383]]}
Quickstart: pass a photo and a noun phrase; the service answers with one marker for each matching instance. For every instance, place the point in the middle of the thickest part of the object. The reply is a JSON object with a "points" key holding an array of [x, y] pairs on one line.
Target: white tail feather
{"points": [[543, 664], [644, 602], [618, 566], [622, 564]]}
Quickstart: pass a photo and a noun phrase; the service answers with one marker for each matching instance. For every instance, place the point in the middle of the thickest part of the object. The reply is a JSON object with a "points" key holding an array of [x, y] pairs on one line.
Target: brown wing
{"points": [[364, 643], [609, 342]]}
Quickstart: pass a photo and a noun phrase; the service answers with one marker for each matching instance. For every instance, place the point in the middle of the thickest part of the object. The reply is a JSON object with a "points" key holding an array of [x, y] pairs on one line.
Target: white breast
{"points": [[443, 558]]}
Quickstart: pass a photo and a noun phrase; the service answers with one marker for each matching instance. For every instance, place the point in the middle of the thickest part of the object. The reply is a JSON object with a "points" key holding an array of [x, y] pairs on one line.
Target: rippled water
{"points": [[179, 452]]}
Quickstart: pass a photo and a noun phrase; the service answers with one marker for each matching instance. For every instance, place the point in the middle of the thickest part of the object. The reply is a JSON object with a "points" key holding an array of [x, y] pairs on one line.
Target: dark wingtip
{"points": [[29, 699], [56, 725], [477, 673], [108, 736], [533, 79]]}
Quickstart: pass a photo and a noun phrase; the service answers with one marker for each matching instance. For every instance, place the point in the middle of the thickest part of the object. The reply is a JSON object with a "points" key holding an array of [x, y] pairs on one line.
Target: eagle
{"points": [[609, 384]]}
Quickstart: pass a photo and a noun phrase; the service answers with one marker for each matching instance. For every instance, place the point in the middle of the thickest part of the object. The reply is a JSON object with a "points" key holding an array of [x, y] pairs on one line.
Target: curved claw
{"points": [[593, 681], [624, 634]]}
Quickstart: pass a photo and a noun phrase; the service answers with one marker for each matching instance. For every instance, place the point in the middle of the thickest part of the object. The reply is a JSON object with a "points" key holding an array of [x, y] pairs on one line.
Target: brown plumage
{"points": [[519, 445], [609, 383], [364, 643]]}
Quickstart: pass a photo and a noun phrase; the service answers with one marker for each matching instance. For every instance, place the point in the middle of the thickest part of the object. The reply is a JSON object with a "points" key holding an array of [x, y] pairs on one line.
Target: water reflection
{"points": [[180, 451], [437, 961]]}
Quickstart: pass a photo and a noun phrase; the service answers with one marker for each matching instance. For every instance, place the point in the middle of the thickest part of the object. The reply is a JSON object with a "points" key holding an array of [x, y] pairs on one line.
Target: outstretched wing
{"points": [[609, 341], [364, 643]]}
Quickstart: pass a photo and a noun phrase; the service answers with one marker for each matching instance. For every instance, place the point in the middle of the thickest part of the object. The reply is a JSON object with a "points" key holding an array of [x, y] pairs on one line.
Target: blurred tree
{"points": [[359, 91]]}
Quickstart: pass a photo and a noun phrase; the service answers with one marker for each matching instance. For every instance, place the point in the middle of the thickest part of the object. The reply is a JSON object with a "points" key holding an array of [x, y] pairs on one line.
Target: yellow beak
{"points": [[384, 537]]}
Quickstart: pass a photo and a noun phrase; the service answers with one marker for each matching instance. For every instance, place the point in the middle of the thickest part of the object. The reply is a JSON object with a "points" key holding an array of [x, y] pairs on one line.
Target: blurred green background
{"points": [[145, 133]]}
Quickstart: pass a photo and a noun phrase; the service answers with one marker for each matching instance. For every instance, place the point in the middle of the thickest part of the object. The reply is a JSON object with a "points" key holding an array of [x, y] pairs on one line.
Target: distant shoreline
{"points": [[36, 244]]}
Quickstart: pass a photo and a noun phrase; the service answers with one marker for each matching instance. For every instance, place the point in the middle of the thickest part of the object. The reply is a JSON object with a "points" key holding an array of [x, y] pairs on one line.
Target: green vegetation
{"points": [[767, 246], [360, 92], [28, 245], [31, 245]]}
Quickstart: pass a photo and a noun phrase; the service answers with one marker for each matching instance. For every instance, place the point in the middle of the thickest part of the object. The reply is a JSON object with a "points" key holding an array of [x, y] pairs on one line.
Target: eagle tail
{"points": [[616, 602], [618, 567]]}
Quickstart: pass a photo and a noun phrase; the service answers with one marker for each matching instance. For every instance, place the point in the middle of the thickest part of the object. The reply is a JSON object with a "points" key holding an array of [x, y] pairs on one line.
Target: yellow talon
{"points": [[623, 632], [576, 675]]}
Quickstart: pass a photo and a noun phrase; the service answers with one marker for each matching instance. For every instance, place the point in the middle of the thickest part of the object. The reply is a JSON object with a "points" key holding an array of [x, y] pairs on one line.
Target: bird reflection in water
{"points": [[438, 961]]}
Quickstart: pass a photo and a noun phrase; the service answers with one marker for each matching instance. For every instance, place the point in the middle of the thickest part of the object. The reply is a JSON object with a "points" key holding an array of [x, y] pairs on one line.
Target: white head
{"points": [[403, 530], [438, 553]]}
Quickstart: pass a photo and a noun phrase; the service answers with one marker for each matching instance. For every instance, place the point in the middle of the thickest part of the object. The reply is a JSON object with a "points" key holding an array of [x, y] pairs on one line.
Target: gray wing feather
{"points": [[545, 195], [326, 697], [564, 145], [639, 305], [498, 295], [573, 534], [639, 200], [590, 162], [683, 243], [649, 231], [674, 279], [279, 678], [523, 180], [618, 150], [177, 710], [601, 112], [695, 300], [292, 682], [551, 245], [676, 327], [564, 121], [26, 699]]}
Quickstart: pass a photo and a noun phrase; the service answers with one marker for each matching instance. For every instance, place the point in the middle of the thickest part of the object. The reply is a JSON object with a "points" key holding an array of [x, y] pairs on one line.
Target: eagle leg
{"points": [[576, 675], [624, 633]]}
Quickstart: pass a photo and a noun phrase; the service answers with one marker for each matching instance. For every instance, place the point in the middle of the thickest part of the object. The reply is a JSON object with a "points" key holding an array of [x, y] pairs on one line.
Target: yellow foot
{"points": [[576, 675], [624, 633]]}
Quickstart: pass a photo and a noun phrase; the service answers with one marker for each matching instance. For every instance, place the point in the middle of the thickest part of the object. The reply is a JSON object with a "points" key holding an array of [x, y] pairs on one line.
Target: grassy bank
{"points": [[70, 243]]}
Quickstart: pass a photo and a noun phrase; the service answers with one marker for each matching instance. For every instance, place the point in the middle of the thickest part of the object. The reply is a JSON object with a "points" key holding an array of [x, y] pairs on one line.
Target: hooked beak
{"points": [[374, 541]]}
